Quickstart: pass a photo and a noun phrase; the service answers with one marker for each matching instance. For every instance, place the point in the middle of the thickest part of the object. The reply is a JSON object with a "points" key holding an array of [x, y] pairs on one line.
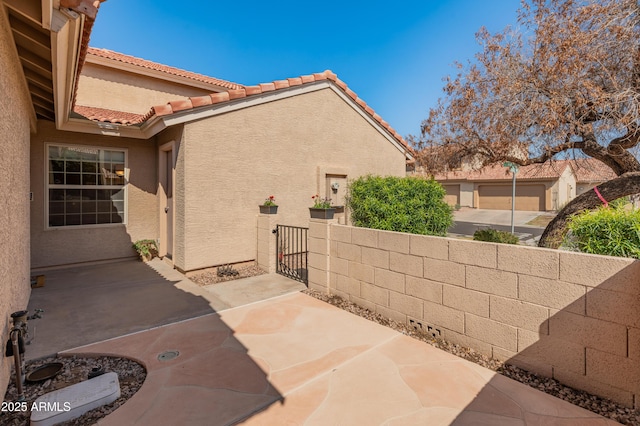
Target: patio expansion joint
{"points": [[258, 301], [163, 326]]}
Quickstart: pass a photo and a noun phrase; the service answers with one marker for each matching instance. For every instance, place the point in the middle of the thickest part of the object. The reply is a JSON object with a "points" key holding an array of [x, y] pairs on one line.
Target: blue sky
{"points": [[394, 55]]}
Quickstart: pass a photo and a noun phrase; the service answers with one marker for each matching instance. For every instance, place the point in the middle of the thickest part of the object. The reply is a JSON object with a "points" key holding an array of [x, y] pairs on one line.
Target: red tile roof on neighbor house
{"points": [[132, 60], [591, 170], [586, 170], [108, 116]]}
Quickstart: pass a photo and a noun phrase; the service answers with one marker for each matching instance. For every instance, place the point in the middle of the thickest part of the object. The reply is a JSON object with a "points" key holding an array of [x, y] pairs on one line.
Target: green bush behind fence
{"points": [[406, 204], [612, 231]]}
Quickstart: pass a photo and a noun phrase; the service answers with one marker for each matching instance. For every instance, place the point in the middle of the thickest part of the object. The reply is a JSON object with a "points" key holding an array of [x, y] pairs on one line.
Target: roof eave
{"points": [[81, 125]]}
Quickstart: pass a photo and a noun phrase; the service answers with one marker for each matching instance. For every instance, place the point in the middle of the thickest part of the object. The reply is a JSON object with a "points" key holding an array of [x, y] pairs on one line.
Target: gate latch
{"points": [[274, 231]]}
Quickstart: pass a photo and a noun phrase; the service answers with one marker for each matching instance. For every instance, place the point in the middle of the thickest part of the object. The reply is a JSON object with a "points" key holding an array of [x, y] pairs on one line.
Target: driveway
{"points": [[497, 217], [467, 221]]}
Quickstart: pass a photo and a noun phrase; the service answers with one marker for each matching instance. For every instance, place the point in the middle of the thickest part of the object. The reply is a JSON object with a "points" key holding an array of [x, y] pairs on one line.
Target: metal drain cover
{"points": [[168, 355]]}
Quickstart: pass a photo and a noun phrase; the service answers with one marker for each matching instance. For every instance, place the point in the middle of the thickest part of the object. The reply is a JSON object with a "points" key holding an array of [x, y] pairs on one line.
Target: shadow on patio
{"points": [[87, 304], [140, 311]]}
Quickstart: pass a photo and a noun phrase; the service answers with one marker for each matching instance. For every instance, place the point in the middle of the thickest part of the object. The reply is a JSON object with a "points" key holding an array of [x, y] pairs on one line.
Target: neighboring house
{"points": [[589, 173], [114, 149], [539, 187]]}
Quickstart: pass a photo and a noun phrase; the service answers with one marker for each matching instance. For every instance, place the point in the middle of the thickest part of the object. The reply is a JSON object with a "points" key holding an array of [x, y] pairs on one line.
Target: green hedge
{"points": [[613, 231], [494, 236], [406, 204]]}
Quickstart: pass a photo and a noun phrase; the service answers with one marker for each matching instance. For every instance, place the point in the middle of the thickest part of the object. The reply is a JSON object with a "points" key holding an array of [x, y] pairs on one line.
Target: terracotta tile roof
{"points": [[108, 116], [586, 170], [498, 172], [238, 93], [591, 170], [132, 60]]}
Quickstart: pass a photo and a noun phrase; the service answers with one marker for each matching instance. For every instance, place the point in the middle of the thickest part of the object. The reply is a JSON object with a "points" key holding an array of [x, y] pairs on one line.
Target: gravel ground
{"points": [[211, 276], [130, 374], [601, 406]]}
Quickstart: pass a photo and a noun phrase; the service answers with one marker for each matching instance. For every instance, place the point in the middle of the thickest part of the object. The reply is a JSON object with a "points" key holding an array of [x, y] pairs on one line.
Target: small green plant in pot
{"points": [[146, 249], [321, 208], [321, 203], [269, 206]]}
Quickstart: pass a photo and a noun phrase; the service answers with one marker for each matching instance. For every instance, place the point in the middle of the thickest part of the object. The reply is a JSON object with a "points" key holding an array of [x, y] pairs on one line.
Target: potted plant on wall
{"points": [[321, 208], [269, 206]]}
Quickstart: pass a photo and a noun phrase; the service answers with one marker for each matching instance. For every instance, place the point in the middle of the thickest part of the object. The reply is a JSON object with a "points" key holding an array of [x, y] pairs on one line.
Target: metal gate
{"points": [[292, 252]]}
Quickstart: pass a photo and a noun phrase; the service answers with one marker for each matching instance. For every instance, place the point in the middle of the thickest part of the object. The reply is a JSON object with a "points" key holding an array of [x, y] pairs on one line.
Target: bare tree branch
{"points": [[566, 81]]}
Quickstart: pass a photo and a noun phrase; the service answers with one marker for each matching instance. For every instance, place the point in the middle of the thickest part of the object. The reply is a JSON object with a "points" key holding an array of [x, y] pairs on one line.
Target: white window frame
{"points": [[48, 186]]}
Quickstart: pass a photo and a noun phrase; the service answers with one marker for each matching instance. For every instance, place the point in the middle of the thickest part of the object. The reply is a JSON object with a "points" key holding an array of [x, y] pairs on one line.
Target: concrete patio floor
{"points": [[90, 303], [295, 360]]}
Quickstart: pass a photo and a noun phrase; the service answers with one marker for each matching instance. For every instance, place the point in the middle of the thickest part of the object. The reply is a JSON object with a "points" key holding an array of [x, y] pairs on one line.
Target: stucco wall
{"points": [[119, 90], [285, 148], [566, 186], [67, 245], [571, 316], [15, 113]]}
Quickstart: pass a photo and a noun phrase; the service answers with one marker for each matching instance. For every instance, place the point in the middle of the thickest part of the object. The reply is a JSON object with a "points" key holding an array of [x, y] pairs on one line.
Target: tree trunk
{"points": [[626, 184]]}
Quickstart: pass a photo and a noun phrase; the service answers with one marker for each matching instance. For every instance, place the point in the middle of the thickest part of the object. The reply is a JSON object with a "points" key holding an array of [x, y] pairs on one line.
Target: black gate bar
{"points": [[292, 252]]}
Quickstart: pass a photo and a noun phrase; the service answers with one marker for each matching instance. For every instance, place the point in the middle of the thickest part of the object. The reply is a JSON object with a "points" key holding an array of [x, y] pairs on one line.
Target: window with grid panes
{"points": [[86, 185]]}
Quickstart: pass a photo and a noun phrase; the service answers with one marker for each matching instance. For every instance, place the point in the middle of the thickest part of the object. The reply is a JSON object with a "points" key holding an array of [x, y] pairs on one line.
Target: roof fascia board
{"points": [[65, 44], [147, 72]]}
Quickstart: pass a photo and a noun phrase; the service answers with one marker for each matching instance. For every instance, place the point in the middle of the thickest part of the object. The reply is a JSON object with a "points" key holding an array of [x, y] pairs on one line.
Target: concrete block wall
{"points": [[266, 253], [571, 316]]}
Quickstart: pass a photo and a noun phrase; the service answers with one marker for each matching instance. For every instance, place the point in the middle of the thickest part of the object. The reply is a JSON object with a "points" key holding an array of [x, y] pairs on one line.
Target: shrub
{"points": [[406, 204], [611, 231], [495, 236], [146, 249]]}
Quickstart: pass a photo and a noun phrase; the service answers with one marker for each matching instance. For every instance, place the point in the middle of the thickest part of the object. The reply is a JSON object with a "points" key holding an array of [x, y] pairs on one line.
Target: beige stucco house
{"points": [[101, 149], [539, 187], [191, 171]]}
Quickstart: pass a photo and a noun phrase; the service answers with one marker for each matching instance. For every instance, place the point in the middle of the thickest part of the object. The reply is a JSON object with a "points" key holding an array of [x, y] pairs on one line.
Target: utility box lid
{"points": [[75, 400]]}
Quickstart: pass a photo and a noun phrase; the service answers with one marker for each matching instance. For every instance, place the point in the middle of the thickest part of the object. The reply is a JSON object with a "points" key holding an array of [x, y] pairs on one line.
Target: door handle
{"points": [[166, 209]]}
